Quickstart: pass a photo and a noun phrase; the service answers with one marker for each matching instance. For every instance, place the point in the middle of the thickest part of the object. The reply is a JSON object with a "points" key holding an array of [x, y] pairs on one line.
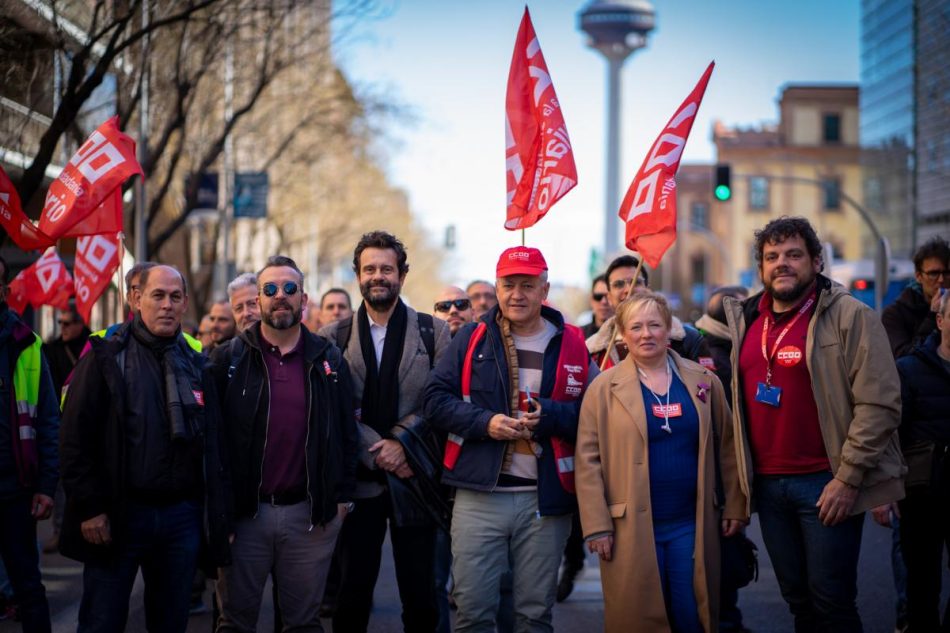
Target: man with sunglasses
{"points": [[685, 340], [600, 308], [287, 396], [390, 349], [913, 317], [454, 307]]}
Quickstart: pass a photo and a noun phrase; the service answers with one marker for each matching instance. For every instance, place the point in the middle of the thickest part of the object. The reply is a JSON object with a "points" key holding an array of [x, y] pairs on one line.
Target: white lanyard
{"points": [[669, 384]]}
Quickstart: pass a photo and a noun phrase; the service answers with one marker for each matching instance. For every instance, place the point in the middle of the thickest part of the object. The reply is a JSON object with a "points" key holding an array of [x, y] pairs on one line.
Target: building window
{"points": [[758, 193], [832, 194], [832, 128], [699, 215], [698, 269]]}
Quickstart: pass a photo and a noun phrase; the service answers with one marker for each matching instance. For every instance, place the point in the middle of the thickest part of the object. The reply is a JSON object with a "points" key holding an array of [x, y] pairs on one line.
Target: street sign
{"points": [[207, 190], [250, 194]]}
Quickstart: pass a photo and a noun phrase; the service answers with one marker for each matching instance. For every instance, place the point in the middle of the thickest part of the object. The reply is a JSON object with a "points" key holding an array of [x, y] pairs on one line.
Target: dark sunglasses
{"points": [[65, 323], [599, 296], [290, 288], [445, 306]]}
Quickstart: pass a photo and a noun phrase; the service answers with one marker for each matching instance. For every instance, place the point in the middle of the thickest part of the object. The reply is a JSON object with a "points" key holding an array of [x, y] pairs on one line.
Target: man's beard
{"points": [[284, 320], [382, 302], [791, 294]]}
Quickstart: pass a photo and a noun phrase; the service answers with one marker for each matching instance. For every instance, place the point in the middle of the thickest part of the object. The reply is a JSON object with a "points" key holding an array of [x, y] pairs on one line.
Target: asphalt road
{"points": [[762, 605]]}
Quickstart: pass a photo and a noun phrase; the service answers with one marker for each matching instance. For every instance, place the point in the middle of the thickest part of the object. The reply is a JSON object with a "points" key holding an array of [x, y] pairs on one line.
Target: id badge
{"points": [[766, 394]]}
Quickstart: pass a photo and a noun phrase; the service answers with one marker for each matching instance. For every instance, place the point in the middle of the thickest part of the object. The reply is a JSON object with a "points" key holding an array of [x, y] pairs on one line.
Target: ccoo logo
{"points": [[789, 356]]}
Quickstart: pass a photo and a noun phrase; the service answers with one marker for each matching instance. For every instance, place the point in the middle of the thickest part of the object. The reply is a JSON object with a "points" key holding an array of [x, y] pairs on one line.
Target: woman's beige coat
{"points": [[613, 492]]}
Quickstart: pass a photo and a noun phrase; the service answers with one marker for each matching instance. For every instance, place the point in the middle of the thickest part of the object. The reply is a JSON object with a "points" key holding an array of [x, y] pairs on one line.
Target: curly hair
{"points": [[382, 240], [934, 248], [780, 229]]}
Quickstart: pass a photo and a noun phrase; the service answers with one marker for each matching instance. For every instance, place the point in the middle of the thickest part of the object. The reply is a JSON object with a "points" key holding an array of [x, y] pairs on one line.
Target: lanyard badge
{"points": [[766, 392]]}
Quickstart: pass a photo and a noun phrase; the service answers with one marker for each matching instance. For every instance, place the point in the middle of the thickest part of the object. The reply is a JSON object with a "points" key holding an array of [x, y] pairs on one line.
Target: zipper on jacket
{"points": [[306, 466], [505, 389], [260, 480]]}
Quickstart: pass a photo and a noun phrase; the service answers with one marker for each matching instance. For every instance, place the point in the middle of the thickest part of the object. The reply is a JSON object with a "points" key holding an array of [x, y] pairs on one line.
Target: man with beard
{"points": [[817, 401], [390, 349], [454, 307], [242, 293], [144, 481], [287, 396]]}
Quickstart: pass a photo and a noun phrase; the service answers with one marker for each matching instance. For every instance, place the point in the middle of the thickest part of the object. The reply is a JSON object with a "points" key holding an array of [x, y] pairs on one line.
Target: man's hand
{"points": [[882, 514], [731, 527], [341, 510], [503, 428], [96, 530], [390, 457], [935, 300], [530, 420], [602, 546], [42, 507], [835, 503]]}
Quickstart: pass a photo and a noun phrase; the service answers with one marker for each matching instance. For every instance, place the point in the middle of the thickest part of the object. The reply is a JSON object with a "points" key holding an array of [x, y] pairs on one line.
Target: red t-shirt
{"points": [[785, 440]]}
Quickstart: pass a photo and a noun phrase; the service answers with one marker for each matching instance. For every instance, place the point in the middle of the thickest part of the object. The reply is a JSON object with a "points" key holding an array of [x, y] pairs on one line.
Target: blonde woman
{"points": [[646, 480]]}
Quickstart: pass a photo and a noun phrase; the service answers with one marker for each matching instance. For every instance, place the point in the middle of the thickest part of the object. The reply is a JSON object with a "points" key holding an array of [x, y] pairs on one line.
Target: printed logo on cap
{"points": [[789, 356], [519, 255]]}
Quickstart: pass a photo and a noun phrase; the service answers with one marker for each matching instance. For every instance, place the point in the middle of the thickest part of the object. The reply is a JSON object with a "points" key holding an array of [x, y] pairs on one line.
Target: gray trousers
{"points": [[278, 541], [491, 529]]}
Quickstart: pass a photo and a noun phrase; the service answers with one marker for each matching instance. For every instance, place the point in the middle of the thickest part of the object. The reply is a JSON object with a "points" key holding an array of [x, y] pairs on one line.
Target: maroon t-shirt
{"points": [[785, 440], [285, 451]]}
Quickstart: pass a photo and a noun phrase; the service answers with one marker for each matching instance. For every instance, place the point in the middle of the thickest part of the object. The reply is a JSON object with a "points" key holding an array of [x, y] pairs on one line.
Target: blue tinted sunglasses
{"points": [[290, 288]]}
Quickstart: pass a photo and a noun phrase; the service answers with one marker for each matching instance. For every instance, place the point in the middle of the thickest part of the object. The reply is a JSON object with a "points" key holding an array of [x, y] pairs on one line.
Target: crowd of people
{"points": [[284, 438]]}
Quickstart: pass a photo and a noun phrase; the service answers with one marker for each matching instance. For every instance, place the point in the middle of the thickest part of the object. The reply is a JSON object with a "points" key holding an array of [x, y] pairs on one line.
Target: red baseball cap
{"points": [[520, 260]]}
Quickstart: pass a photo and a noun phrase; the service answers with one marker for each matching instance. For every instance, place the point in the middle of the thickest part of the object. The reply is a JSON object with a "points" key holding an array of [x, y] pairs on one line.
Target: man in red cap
{"points": [[508, 393]]}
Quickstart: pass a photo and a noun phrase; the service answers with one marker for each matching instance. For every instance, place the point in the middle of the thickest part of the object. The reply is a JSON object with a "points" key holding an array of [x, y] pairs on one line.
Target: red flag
{"points": [[99, 167], [97, 258], [45, 282], [106, 219], [23, 233], [649, 208], [539, 161]]}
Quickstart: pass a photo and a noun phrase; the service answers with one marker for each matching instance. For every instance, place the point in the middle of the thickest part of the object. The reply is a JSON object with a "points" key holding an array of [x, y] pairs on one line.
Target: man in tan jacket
{"points": [[817, 401]]}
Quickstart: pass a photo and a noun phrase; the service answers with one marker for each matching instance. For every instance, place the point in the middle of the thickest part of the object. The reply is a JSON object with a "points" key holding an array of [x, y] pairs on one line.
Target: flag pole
{"points": [[610, 344], [636, 275], [522, 237], [121, 297]]}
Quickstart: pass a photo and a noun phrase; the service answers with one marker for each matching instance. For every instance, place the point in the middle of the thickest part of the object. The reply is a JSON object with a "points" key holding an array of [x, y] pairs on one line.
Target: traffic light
{"points": [[723, 186]]}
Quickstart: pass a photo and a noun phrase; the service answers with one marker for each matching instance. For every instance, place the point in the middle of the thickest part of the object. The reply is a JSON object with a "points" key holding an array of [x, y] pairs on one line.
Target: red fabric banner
{"points": [[649, 208], [539, 161], [23, 232], [45, 282], [99, 167], [97, 257]]}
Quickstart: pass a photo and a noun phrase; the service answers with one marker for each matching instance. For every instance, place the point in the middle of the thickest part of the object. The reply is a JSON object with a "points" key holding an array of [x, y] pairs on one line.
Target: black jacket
{"points": [[332, 442], [93, 452], [908, 321], [925, 395]]}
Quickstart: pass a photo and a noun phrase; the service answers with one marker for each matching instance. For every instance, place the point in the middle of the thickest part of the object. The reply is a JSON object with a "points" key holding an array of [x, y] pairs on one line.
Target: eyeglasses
{"points": [[63, 323], [270, 289], [460, 304], [620, 284], [599, 296], [936, 274]]}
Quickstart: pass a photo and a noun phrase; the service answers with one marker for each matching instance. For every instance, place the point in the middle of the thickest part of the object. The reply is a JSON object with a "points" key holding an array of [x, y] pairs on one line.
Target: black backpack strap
{"points": [[343, 331], [237, 349], [427, 332]]}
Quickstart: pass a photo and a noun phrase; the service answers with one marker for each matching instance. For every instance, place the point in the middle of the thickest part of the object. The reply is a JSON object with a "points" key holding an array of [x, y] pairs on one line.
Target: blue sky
{"points": [[448, 60]]}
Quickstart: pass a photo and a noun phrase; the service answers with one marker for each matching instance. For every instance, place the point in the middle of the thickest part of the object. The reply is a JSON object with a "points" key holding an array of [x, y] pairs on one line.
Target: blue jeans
{"points": [[675, 543], [20, 556], [816, 566], [163, 541]]}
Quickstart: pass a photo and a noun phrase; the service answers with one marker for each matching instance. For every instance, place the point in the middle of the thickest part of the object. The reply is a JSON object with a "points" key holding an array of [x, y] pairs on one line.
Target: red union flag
{"points": [[97, 257], [45, 282], [23, 233], [539, 161], [99, 167], [649, 208]]}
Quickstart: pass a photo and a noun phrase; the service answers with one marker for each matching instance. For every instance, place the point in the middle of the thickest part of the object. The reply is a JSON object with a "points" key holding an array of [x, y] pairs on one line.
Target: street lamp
{"points": [[615, 28]]}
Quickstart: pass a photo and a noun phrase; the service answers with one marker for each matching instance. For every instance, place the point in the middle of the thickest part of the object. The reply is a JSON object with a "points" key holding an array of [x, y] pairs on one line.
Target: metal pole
{"points": [[227, 174], [141, 237], [612, 168]]}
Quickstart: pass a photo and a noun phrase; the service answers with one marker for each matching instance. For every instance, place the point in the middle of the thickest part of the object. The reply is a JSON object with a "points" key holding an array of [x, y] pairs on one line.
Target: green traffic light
{"points": [[723, 193]]}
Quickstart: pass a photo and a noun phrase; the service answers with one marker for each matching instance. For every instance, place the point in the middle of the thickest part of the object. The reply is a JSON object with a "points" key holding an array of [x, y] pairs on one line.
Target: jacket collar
{"points": [[313, 346]]}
